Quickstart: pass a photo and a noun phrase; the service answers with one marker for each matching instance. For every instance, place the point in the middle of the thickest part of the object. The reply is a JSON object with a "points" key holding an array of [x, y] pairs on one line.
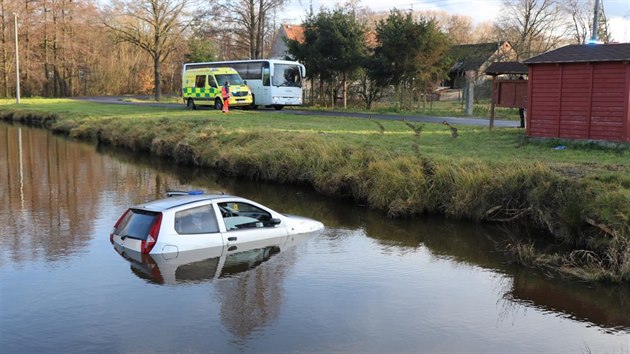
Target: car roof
{"points": [[176, 201]]}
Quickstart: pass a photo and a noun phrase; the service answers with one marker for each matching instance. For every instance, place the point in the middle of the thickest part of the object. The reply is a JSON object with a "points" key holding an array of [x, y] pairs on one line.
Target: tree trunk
{"points": [[260, 29], [345, 91], [5, 75], [47, 86], [157, 75], [252, 30], [28, 89]]}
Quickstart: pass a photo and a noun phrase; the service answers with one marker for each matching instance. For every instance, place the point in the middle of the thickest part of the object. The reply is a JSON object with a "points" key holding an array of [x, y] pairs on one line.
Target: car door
{"points": [[248, 226], [197, 228]]}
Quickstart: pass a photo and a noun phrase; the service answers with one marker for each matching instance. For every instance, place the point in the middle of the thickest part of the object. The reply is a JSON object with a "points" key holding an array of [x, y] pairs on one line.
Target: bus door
{"points": [[266, 74]]}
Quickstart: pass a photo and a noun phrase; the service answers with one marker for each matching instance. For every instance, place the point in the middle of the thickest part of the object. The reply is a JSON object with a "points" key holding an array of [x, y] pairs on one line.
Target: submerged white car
{"points": [[185, 222], [207, 264]]}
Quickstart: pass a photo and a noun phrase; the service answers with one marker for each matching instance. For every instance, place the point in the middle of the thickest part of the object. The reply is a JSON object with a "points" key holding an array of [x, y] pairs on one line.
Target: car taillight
{"points": [[152, 237], [111, 234]]}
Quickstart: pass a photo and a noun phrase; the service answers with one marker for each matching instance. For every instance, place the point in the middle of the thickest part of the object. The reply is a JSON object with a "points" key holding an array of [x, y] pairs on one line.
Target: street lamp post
{"points": [[17, 62], [595, 32]]}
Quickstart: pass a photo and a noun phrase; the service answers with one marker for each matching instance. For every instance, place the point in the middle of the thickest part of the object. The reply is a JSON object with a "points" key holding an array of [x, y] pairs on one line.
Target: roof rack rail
{"points": [[175, 193]]}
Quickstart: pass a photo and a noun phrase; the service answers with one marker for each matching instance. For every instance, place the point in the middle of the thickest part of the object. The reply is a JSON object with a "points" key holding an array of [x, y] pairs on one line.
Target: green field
{"points": [[579, 196], [452, 108]]}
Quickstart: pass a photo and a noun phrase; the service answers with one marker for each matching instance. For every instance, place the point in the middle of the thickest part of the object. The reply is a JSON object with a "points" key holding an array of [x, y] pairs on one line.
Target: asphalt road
{"points": [[427, 119]]}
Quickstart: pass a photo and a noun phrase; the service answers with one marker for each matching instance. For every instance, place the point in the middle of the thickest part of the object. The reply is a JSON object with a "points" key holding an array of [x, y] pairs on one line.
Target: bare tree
{"points": [[459, 29], [532, 26], [251, 21], [5, 66], [486, 32], [153, 25], [581, 20]]}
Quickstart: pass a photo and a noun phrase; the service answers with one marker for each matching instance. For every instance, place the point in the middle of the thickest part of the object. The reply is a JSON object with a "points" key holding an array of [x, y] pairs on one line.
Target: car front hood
{"points": [[300, 224]]}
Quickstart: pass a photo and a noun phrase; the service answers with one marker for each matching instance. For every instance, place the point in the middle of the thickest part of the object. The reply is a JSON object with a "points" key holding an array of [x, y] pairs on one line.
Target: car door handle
{"points": [[233, 238]]}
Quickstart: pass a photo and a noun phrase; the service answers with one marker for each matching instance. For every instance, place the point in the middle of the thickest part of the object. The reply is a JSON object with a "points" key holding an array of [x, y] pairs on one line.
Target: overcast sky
{"points": [[618, 11]]}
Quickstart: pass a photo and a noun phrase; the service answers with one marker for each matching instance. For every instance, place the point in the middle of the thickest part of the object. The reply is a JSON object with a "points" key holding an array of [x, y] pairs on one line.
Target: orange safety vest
{"points": [[225, 93]]}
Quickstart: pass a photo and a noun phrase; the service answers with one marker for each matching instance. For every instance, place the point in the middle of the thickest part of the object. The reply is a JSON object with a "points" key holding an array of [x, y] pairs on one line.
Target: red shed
{"points": [[580, 92]]}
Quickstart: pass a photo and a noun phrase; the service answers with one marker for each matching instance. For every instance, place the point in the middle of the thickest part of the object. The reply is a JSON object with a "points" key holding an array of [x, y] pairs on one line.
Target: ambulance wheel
{"points": [[253, 105], [218, 104], [191, 104]]}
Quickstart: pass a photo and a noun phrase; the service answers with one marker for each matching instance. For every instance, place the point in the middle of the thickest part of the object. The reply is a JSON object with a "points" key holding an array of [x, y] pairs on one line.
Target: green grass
{"points": [[437, 108], [581, 195]]}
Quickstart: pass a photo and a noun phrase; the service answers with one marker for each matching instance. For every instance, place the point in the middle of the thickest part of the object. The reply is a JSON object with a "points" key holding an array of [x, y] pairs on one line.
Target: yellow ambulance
{"points": [[202, 87]]}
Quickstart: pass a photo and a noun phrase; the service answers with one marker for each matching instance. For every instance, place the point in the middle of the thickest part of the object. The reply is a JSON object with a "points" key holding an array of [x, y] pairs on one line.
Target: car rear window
{"points": [[136, 224]]}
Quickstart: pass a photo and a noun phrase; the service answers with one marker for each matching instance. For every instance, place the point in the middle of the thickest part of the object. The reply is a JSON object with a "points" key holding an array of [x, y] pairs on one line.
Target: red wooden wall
{"points": [[510, 93], [579, 101]]}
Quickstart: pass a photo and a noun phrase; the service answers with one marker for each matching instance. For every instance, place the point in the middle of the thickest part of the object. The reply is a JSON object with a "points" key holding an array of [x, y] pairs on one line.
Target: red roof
{"points": [[294, 32]]}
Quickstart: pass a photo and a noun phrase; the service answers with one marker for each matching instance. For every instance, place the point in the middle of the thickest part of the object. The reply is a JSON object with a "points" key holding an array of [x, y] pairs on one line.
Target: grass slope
{"points": [[580, 195]]}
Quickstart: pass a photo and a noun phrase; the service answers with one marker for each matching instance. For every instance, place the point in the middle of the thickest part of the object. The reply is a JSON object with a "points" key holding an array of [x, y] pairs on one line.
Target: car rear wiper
{"points": [[123, 237]]}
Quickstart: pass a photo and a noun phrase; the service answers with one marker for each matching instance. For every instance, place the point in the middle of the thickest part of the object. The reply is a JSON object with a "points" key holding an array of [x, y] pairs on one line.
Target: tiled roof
{"points": [[506, 67], [294, 32], [472, 56], [579, 53]]}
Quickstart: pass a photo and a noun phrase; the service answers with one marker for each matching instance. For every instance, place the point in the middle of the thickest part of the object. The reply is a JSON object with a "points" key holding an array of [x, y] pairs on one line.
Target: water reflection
{"points": [[56, 192], [207, 264], [250, 296], [604, 306], [43, 186]]}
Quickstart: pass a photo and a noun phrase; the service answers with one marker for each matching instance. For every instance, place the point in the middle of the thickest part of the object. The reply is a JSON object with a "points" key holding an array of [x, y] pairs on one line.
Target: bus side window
{"points": [[200, 81], [266, 80], [254, 71]]}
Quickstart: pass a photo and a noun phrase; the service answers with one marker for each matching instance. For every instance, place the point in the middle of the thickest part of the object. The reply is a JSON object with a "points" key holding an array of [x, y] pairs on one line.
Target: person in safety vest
{"points": [[225, 93]]}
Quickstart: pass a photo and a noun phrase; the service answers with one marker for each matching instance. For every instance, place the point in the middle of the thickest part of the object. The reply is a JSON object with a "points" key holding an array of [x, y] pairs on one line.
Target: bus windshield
{"points": [[234, 79], [287, 75]]}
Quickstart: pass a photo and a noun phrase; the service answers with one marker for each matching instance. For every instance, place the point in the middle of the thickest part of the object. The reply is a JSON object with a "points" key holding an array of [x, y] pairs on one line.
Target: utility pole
{"points": [[595, 23], [17, 62]]}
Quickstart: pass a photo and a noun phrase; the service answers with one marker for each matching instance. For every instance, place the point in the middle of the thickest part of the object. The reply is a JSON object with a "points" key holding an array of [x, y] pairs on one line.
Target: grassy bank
{"points": [[579, 196]]}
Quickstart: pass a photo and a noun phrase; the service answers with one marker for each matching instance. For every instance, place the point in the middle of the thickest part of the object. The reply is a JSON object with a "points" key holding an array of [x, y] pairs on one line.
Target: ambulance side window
{"points": [[212, 82], [200, 81]]}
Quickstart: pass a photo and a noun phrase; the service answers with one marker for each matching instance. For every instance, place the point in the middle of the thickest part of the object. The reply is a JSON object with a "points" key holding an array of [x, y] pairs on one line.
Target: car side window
{"points": [[198, 220], [239, 215]]}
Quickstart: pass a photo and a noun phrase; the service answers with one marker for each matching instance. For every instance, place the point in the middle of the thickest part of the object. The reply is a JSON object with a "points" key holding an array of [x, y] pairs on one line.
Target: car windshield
{"points": [[136, 224], [233, 79], [287, 75]]}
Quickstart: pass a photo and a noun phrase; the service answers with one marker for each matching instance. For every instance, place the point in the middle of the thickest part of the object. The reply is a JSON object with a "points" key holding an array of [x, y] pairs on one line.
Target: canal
{"points": [[365, 284]]}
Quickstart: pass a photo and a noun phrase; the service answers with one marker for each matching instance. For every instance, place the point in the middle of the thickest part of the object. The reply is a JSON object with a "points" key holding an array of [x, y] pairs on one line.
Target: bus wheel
{"points": [[278, 107], [253, 105], [218, 104], [191, 104]]}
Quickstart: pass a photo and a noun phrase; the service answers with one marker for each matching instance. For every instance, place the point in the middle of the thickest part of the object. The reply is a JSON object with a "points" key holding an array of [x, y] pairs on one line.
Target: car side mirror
{"points": [[245, 82], [274, 222]]}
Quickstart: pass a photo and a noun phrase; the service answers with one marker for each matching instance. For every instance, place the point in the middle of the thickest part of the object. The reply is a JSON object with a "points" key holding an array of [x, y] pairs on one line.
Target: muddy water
{"points": [[365, 284]]}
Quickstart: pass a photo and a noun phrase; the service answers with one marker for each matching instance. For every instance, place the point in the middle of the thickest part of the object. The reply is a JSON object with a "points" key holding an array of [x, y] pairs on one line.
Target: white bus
{"points": [[274, 83]]}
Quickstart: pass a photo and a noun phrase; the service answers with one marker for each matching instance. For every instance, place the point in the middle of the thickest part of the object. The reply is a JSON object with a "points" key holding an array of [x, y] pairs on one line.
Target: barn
{"points": [[580, 92]]}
